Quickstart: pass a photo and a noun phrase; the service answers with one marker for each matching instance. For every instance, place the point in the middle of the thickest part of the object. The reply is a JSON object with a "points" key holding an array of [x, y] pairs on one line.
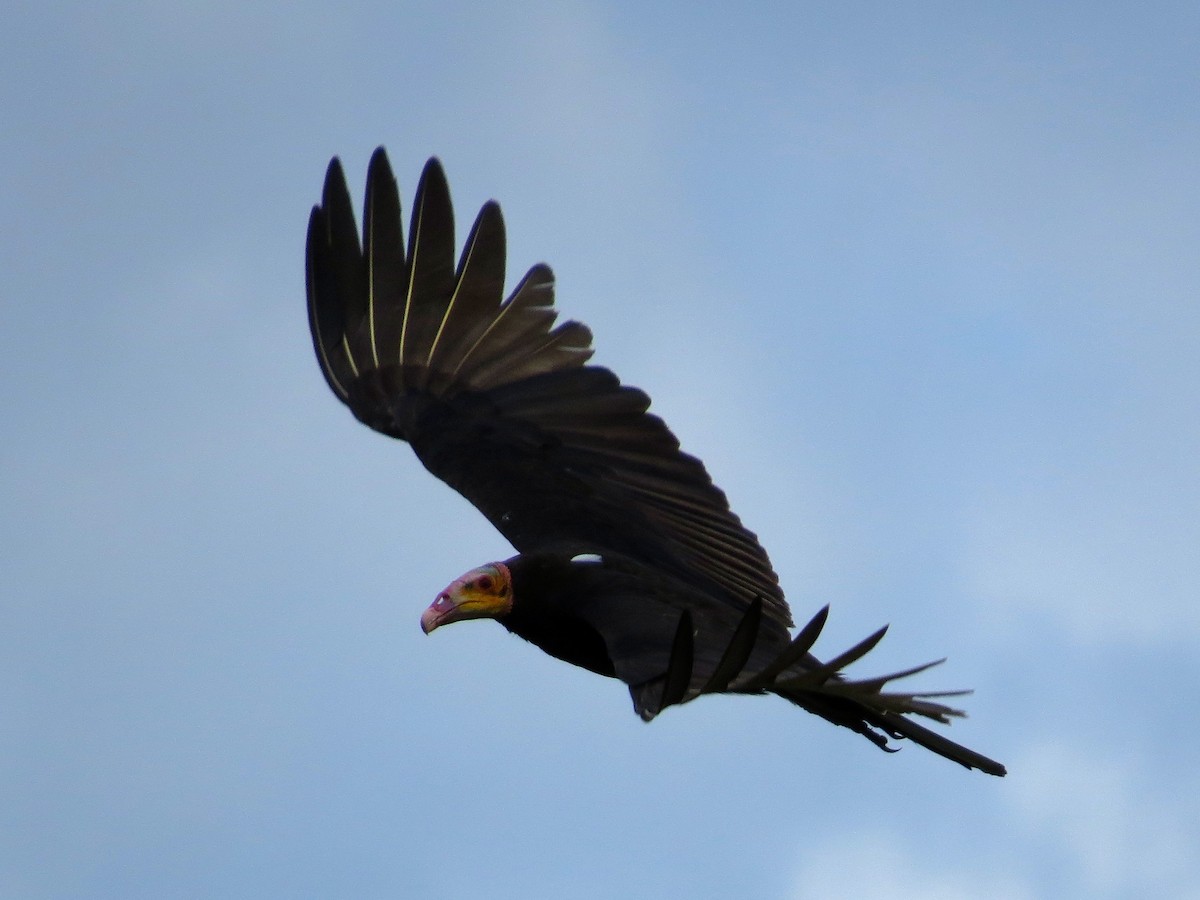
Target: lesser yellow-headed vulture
{"points": [[630, 562]]}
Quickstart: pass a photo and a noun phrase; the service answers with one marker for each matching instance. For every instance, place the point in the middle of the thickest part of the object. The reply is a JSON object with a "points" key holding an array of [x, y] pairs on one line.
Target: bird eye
{"points": [[484, 583]]}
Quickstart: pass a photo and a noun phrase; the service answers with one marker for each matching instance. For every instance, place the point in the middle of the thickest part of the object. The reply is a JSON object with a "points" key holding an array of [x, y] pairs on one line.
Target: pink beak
{"points": [[437, 613]]}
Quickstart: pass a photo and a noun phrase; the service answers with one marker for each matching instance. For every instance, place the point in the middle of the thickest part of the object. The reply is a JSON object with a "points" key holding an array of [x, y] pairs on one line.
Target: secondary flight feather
{"points": [[630, 562]]}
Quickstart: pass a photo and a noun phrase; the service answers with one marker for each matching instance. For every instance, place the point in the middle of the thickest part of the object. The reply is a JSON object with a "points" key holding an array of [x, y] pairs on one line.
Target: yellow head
{"points": [[485, 592]]}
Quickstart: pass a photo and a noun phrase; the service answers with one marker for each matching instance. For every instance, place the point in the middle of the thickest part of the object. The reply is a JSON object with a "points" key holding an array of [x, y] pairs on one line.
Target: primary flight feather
{"points": [[630, 562]]}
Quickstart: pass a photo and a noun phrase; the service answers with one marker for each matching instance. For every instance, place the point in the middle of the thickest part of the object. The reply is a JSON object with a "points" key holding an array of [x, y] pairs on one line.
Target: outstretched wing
{"points": [[497, 401]]}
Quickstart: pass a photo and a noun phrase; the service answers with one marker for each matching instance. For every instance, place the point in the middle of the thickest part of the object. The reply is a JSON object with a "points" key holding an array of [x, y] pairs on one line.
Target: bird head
{"points": [[485, 592]]}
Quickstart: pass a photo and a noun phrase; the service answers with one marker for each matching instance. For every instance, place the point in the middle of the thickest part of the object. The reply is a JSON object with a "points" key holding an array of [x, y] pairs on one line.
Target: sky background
{"points": [[918, 282]]}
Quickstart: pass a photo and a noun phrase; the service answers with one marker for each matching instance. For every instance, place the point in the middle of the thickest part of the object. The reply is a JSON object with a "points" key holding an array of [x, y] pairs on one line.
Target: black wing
{"points": [[497, 402]]}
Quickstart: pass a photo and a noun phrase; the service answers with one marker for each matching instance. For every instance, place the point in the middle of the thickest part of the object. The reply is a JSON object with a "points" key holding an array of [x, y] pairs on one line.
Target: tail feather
{"points": [[865, 708], [883, 716], [899, 727], [862, 705]]}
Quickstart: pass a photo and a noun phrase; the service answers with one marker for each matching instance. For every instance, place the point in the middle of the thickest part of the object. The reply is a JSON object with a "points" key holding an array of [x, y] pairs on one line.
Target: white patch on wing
{"points": [[588, 558]]}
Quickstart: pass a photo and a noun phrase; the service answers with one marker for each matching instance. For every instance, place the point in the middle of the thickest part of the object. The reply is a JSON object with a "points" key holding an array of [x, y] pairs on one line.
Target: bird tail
{"points": [[863, 705], [879, 716]]}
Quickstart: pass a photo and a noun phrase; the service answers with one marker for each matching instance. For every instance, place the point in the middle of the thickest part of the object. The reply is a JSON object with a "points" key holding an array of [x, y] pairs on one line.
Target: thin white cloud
{"points": [[1105, 572], [879, 865], [1091, 823], [1120, 833]]}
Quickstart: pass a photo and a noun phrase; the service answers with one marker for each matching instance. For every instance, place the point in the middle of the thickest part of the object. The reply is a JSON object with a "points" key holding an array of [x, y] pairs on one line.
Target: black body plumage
{"points": [[630, 562]]}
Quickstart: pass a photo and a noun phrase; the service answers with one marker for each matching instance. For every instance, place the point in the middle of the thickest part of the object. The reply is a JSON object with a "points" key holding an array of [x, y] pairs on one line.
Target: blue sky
{"points": [[919, 283]]}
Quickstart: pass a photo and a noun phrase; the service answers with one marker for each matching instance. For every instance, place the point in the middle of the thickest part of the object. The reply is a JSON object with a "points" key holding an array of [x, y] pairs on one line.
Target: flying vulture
{"points": [[631, 563]]}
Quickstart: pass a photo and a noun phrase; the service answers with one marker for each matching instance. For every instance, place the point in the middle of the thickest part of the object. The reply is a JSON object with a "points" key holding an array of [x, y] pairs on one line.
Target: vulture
{"points": [[631, 563]]}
